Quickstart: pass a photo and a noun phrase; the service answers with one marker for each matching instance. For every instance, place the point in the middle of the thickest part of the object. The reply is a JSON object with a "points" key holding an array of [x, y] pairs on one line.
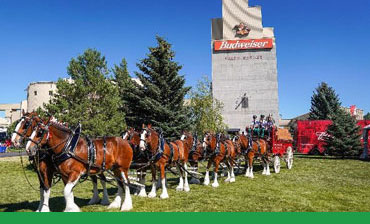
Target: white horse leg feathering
{"points": [[68, 195], [164, 194], [180, 187], [44, 201], [153, 192], [232, 179], [206, 178], [186, 185], [117, 201], [142, 192], [127, 204], [215, 182]]}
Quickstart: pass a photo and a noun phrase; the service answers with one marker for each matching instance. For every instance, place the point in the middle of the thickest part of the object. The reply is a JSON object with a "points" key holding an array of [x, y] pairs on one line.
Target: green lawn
{"points": [[314, 184]]}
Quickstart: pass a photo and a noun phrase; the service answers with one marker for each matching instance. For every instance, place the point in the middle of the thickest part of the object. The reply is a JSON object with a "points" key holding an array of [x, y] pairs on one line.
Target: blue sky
{"points": [[317, 41]]}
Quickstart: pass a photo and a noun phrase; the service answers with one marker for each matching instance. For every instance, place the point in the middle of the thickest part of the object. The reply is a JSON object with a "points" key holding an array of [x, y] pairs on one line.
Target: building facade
{"points": [[244, 64], [39, 93]]}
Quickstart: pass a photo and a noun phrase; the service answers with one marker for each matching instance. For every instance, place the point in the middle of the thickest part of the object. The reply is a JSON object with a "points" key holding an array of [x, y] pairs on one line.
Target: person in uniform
{"points": [[262, 126], [269, 125], [253, 130]]}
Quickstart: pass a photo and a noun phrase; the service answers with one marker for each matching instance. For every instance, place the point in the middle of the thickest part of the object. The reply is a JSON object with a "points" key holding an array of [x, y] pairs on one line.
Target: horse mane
{"points": [[59, 126]]}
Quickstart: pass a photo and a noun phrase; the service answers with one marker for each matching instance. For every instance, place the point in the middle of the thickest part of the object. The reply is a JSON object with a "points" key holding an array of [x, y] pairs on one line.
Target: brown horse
{"points": [[185, 145], [219, 150], [259, 149], [139, 159], [45, 168], [112, 154], [150, 140]]}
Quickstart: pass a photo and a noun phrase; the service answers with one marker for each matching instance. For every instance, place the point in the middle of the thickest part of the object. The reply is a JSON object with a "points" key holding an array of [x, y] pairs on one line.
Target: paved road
{"points": [[11, 154]]}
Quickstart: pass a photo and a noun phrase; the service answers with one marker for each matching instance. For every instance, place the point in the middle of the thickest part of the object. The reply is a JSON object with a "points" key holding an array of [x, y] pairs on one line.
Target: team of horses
{"points": [[55, 148]]}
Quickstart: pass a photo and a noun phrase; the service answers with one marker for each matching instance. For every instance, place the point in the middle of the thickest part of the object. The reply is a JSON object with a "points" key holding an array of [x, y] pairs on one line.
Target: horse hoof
{"points": [[94, 201], [126, 207], [152, 195], [179, 189], [104, 202], [215, 185], [115, 204], [164, 196], [232, 180], [73, 209], [186, 189], [142, 195], [45, 209], [227, 180], [206, 183]]}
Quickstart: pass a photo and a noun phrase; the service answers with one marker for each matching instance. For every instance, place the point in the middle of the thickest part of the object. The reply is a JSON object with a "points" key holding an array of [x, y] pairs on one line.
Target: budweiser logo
{"points": [[322, 135], [228, 45]]}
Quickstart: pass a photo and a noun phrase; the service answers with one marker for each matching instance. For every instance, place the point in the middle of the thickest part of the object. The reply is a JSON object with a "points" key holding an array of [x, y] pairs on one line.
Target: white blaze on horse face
{"points": [[125, 136], [142, 140], [29, 142], [183, 137], [14, 135], [204, 142]]}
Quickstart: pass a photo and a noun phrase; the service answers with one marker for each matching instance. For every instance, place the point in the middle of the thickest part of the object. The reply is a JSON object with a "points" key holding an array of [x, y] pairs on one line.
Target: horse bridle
{"points": [[26, 126]]}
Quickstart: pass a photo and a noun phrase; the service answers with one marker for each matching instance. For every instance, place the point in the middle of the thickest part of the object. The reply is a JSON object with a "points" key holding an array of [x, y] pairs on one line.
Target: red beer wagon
{"points": [[281, 143]]}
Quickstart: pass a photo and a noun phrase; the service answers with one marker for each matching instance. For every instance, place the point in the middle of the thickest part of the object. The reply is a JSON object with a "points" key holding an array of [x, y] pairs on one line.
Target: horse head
{"points": [[188, 139], [24, 128], [198, 153], [149, 139], [39, 136], [210, 142]]}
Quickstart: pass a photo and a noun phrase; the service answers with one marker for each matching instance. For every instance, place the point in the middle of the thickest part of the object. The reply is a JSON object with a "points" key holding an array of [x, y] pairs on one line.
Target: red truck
{"points": [[310, 135]]}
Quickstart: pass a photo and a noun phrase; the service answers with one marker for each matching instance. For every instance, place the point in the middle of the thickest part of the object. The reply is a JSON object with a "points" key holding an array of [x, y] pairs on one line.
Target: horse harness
{"points": [[68, 152]]}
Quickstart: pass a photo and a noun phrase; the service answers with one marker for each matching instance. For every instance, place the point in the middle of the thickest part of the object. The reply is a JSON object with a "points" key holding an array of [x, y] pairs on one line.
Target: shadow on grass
{"points": [[320, 157], [57, 204]]}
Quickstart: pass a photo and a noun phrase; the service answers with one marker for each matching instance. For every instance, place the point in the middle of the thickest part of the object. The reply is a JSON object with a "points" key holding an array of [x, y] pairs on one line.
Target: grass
{"points": [[315, 184]]}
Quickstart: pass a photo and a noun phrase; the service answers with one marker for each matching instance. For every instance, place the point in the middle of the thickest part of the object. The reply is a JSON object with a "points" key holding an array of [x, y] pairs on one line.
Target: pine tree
{"points": [[159, 99], [91, 97], [125, 85], [367, 116], [205, 110], [324, 103], [343, 139]]}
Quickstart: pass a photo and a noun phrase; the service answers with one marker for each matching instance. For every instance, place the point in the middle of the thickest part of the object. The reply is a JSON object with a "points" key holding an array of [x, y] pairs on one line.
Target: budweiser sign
{"points": [[235, 45]]}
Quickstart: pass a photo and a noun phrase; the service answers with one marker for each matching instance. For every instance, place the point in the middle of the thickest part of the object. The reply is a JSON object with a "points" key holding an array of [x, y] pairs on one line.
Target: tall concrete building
{"points": [[244, 66], [39, 93]]}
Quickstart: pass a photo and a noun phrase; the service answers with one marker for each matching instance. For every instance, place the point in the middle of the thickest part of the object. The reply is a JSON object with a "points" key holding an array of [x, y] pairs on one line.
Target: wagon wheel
{"points": [[277, 164], [289, 158]]}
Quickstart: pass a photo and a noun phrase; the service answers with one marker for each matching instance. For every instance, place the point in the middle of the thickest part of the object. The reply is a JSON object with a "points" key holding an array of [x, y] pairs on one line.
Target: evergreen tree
{"points": [[90, 97], [367, 116], [125, 86], [159, 99], [205, 110], [324, 103], [343, 139]]}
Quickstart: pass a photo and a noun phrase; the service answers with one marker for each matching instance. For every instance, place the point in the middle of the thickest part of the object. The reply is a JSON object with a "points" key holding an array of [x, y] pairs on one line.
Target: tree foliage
{"points": [[159, 98], [91, 98], [205, 110], [343, 139], [367, 116], [325, 103]]}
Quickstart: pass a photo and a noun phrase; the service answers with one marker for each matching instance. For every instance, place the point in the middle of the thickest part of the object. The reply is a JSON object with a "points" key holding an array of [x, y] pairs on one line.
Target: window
{"points": [[50, 93], [35, 92], [245, 102]]}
